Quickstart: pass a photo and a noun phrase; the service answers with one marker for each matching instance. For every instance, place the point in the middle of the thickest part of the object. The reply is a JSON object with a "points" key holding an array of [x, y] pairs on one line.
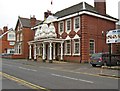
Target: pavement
{"points": [[113, 71]]}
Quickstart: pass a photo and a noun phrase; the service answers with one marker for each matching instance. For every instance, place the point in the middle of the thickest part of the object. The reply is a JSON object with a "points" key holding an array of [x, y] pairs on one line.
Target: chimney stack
{"points": [[5, 29], [46, 14], [32, 21], [100, 6], [1, 31]]}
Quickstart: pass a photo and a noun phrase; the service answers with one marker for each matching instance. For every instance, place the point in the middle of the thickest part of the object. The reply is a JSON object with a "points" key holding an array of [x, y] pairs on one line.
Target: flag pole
{"points": [[51, 6]]}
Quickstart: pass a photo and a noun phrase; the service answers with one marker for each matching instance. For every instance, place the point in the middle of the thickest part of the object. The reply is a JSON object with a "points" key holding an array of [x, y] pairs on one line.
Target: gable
{"points": [[24, 22]]}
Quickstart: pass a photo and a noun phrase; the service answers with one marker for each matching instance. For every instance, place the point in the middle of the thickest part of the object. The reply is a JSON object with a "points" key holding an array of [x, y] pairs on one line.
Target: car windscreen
{"points": [[97, 55]]}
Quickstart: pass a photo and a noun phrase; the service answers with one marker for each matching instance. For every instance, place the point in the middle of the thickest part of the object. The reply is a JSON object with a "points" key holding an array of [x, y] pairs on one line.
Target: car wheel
{"points": [[94, 65], [118, 63]]}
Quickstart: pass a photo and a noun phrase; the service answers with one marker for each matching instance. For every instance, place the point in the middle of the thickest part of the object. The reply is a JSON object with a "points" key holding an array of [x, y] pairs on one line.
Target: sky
{"points": [[11, 9]]}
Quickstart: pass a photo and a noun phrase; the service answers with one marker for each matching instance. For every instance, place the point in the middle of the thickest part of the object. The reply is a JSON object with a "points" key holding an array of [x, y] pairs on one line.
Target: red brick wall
{"points": [[4, 42], [116, 48], [84, 39], [72, 33], [28, 35], [92, 28]]}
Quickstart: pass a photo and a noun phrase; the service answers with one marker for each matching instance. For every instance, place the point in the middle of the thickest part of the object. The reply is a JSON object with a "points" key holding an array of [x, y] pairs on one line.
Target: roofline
{"points": [[18, 22], [88, 13]]}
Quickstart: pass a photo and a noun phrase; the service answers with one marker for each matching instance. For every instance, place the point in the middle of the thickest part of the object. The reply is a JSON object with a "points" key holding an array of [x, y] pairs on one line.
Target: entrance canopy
{"points": [[47, 29], [113, 36], [56, 40], [46, 36]]}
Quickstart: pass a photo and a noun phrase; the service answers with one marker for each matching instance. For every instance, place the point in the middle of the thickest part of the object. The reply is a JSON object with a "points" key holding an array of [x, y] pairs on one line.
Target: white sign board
{"points": [[113, 36]]}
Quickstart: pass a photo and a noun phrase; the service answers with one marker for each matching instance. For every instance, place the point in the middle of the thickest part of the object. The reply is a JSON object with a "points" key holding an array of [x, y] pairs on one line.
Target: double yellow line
{"points": [[23, 82]]}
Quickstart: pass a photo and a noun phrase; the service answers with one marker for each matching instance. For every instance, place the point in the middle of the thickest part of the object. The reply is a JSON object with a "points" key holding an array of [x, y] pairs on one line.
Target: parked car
{"points": [[100, 59]]}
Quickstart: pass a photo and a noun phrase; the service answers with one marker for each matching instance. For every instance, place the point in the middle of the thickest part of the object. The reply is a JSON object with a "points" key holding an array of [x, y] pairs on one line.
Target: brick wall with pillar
{"points": [[84, 40]]}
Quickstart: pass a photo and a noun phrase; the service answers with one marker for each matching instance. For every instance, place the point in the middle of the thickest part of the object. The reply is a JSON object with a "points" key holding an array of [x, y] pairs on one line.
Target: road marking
{"points": [[23, 82], [97, 75], [8, 65], [72, 78], [21, 67], [27, 69]]}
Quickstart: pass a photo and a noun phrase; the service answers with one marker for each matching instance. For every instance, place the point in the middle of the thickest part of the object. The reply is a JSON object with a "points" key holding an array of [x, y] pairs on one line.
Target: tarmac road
{"points": [[59, 75]]}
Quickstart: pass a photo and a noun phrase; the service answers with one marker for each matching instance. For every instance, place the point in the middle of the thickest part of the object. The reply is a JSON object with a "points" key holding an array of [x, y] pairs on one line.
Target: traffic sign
{"points": [[113, 36]]}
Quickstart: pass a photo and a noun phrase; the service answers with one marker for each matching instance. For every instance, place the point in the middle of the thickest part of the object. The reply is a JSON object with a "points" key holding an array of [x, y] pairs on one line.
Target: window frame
{"points": [[18, 37], [90, 47], [11, 36], [76, 29], [60, 32], [75, 47], [66, 45], [21, 36], [68, 31]]}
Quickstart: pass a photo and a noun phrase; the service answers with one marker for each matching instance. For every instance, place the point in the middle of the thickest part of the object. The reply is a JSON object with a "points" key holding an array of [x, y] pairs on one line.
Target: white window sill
{"points": [[67, 54], [17, 54], [76, 54]]}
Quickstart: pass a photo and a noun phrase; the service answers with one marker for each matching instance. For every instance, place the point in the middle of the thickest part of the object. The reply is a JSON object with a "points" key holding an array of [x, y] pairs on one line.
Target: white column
{"points": [[30, 48], [35, 52], [18, 49], [61, 51], [39, 50], [15, 49], [53, 50], [50, 58], [44, 49]]}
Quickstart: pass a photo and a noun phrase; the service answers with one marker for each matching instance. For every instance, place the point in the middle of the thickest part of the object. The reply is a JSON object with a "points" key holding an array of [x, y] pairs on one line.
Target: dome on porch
{"points": [[41, 31], [51, 32], [45, 31]]}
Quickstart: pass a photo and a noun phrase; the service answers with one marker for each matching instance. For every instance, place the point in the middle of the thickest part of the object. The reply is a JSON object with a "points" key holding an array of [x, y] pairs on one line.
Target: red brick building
{"points": [[116, 46], [76, 33], [23, 35], [7, 41]]}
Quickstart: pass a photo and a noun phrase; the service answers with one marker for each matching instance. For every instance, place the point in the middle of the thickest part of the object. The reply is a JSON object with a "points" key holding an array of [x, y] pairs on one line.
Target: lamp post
{"points": [[109, 48], [110, 53]]}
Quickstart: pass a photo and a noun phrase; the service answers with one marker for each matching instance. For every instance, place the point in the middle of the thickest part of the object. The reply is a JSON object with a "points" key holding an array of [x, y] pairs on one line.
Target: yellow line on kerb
{"points": [[23, 82]]}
